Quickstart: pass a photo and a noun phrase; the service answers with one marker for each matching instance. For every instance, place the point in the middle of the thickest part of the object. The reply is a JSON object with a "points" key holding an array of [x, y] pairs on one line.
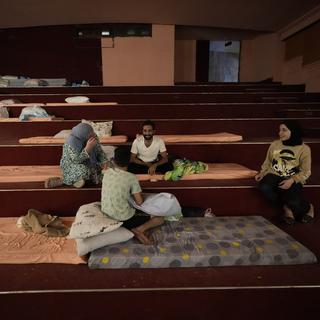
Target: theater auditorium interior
{"points": [[223, 82]]}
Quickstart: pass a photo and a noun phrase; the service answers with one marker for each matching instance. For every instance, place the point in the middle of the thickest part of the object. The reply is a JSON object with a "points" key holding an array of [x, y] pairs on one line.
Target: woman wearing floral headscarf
{"points": [[283, 173], [82, 158]]}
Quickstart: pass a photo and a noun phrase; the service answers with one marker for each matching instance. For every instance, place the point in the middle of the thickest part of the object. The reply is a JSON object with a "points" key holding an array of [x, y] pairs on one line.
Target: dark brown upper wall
{"points": [[50, 52], [305, 43]]}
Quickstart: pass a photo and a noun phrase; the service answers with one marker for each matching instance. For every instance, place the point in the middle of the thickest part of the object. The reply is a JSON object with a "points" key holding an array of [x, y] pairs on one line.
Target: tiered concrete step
{"points": [[98, 291], [225, 197], [173, 97], [178, 111], [248, 128], [231, 87], [248, 153], [206, 290]]}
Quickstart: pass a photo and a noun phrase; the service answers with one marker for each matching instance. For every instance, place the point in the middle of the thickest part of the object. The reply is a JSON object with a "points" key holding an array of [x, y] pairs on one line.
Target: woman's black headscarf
{"points": [[296, 133]]}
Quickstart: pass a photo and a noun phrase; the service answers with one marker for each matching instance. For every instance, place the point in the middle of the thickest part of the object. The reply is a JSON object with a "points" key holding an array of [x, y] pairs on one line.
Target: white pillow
{"points": [[9, 101], [91, 221], [87, 245], [4, 83], [77, 99], [4, 112], [100, 128], [109, 151], [35, 83], [63, 134], [9, 77]]}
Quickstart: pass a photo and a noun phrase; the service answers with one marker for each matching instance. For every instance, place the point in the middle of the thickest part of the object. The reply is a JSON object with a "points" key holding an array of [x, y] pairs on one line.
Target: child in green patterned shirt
{"points": [[118, 185]]}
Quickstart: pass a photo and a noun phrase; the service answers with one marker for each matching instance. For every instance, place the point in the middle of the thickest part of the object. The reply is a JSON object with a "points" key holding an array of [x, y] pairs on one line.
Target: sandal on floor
{"points": [[288, 221], [307, 219], [53, 182]]}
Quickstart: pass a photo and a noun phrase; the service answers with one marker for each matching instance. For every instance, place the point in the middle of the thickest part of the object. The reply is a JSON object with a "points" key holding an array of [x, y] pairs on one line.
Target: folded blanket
{"points": [[210, 137], [213, 137], [57, 104], [52, 140], [42, 223], [20, 104], [30, 119]]}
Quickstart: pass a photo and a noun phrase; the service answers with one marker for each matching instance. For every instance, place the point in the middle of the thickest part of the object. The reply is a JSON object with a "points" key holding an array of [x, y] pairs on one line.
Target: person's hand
{"points": [[104, 166], [258, 176], [91, 143], [286, 184], [152, 169]]}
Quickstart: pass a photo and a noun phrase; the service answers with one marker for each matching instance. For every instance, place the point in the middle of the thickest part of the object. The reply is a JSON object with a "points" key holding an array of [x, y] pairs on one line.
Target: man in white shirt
{"points": [[148, 152]]}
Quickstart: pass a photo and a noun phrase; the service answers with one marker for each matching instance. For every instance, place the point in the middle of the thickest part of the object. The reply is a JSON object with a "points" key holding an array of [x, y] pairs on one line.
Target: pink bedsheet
{"points": [[53, 104], [28, 173], [20, 247], [30, 119], [58, 104], [52, 140], [209, 137], [215, 171], [41, 173]]}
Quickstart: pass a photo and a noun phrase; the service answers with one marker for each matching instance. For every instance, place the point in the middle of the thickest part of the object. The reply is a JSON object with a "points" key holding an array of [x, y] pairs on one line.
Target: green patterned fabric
{"points": [[76, 165], [184, 167], [117, 187]]}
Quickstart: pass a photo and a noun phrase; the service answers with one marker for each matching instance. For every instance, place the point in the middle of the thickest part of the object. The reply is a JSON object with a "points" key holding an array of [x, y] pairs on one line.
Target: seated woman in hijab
{"points": [[283, 173], [82, 159]]}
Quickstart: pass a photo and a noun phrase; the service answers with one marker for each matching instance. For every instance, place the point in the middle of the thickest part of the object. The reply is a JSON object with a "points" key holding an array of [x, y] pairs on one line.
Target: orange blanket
{"points": [[53, 104], [30, 119], [29, 104], [52, 140], [215, 171], [20, 247], [58, 104], [41, 173], [210, 137], [28, 173]]}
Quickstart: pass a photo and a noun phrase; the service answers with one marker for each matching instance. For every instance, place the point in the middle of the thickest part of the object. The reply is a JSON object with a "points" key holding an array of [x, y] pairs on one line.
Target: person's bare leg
{"points": [[288, 212], [311, 211], [288, 217], [139, 232]]}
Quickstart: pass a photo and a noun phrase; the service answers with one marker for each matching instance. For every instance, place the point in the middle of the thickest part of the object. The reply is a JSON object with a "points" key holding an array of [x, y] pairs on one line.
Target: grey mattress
{"points": [[202, 242]]}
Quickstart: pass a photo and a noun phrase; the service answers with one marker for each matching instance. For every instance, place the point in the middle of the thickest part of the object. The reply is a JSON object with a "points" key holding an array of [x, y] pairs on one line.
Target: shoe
{"points": [[307, 219], [309, 216], [53, 182], [288, 221], [79, 184], [208, 213], [288, 217]]}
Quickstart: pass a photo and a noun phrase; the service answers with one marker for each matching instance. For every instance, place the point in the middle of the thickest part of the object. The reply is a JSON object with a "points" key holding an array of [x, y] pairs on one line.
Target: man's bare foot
{"points": [[142, 237]]}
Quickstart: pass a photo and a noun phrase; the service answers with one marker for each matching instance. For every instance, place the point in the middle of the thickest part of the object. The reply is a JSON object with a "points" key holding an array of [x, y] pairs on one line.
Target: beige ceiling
{"points": [[258, 15]]}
